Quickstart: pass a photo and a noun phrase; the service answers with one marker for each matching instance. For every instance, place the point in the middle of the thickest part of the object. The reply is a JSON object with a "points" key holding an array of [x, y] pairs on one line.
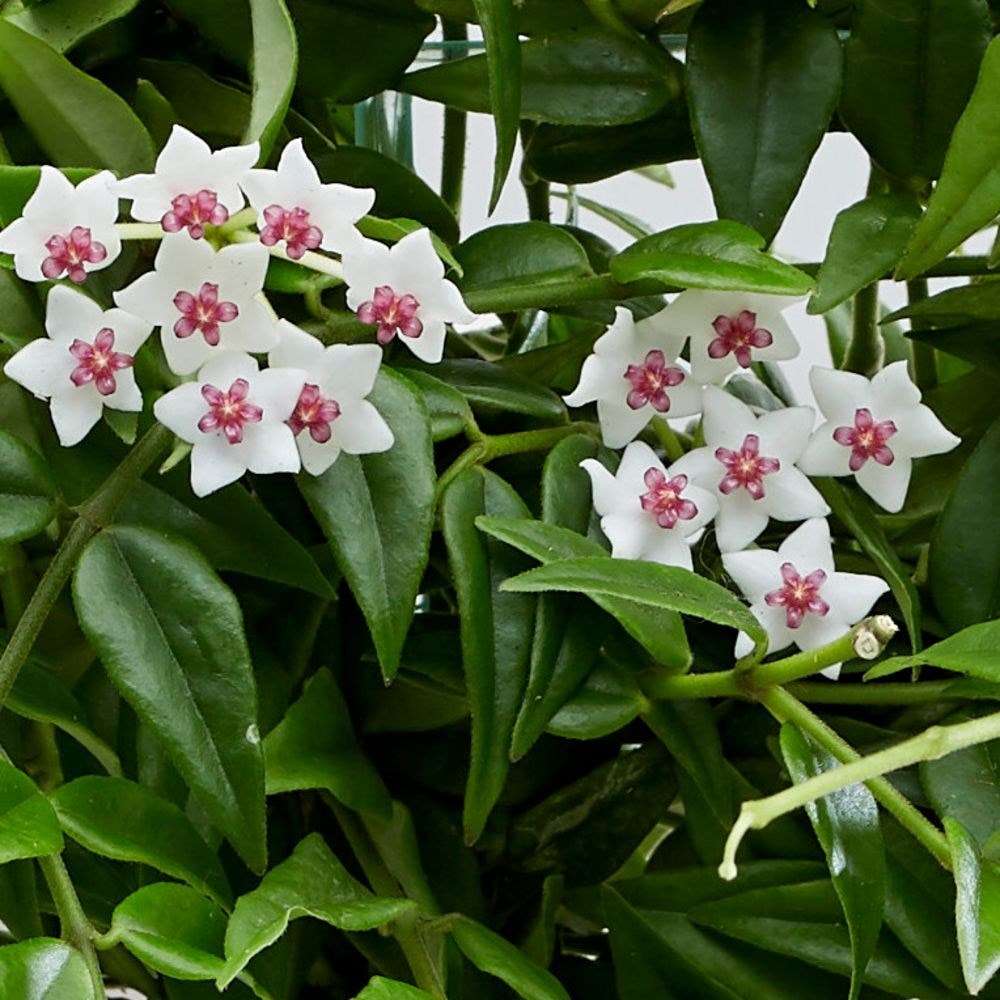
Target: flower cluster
{"points": [[205, 295]]}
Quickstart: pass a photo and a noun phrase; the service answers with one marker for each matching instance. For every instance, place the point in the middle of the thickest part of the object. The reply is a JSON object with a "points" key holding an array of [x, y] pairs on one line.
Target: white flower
{"points": [[873, 429], [633, 376], [236, 418], [728, 330], [204, 301], [295, 207], [192, 186], [332, 414], [84, 364], [749, 464], [403, 289], [796, 593], [649, 512], [65, 230]]}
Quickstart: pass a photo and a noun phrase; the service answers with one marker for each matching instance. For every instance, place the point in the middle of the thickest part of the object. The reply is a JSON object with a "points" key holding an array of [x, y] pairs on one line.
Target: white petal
{"points": [[185, 355], [180, 410], [25, 239], [637, 459], [839, 394], [600, 378], [42, 367], [214, 463], [702, 467], [670, 549], [893, 390], [253, 331], [706, 502], [131, 332], [271, 448], [739, 521], [349, 370], [619, 341], [276, 391], [756, 572], [789, 496], [620, 423], [127, 396], [335, 209], [317, 457], [808, 547], [415, 263], [53, 199], [686, 399], [773, 621], [70, 314], [728, 420], [429, 346], [818, 630], [262, 190], [630, 534], [824, 456], [650, 335], [151, 296], [74, 413], [239, 270], [851, 595], [886, 484], [229, 166], [604, 487], [183, 262], [920, 433], [361, 430], [297, 349], [96, 201], [784, 434], [226, 367], [296, 169], [365, 270]]}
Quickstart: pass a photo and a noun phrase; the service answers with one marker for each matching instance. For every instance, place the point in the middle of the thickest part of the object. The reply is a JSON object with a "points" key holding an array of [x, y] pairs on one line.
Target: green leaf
{"points": [[274, 66], [63, 23], [496, 632], [27, 491], [967, 196], [608, 699], [494, 955], [17, 184], [721, 255], [910, 66], [76, 119], [390, 989], [866, 243], [977, 907], [847, 827], [314, 747], [28, 826], [379, 532], [127, 822], [309, 883], [44, 969], [170, 635], [447, 408], [975, 650], [763, 80], [955, 306]]}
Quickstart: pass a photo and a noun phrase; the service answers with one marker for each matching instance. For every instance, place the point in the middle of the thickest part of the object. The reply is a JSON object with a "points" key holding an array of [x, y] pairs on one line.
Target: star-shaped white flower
{"points": [[633, 375], [332, 414], [65, 231], [749, 464], [192, 186], [873, 429], [84, 364], [296, 209], [204, 301], [797, 594], [403, 290], [649, 512], [236, 418], [728, 330]]}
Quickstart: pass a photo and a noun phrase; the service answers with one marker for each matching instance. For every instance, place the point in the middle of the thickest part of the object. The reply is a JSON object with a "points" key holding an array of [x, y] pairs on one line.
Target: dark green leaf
{"points": [[534, 17], [17, 184], [28, 825], [27, 491], [44, 969], [974, 651], [389, 989], [447, 408], [274, 66], [224, 24], [154, 112], [608, 699], [63, 23], [955, 306]]}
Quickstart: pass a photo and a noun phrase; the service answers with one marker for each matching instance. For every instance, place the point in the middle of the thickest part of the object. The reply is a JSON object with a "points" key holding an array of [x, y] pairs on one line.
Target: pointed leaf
{"points": [[974, 651], [390, 989], [64, 23], [273, 67], [609, 699], [28, 826], [27, 491], [44, 969]]}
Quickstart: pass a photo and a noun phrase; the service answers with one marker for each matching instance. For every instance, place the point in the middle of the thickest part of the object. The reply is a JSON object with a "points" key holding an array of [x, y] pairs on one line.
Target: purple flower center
{"points": [[798, 595], [746, 468], [193, 212], [315, 412], [229, 411], [203, 313], [736, 335], [98, 362], [68, 254], [664, 500], [393, 313], [649, 382], [866, 439], [293, 226]]}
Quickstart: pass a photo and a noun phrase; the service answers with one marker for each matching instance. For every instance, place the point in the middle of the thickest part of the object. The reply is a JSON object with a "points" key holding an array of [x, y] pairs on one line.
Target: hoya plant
{"points": [[396, 611]]}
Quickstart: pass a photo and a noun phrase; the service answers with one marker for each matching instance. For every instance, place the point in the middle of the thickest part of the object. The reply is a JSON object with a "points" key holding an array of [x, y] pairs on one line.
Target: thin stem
{"points": [[139, 230], [455, 122], [668, 439], [866, 348], [924, 693], [923, 355], [310, 259]]}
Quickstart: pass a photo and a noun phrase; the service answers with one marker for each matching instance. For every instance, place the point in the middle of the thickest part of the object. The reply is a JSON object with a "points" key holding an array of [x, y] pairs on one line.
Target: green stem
{"points": [[455, 122], [668, 439], [539, 207], [924, 693], [923, 355], [866, 348], [139, 230], [310, 259]]}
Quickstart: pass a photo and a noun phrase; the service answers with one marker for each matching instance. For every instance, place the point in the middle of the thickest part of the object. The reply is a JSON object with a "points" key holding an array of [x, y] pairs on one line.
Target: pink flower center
{"points": [[98, 362], [737, 335], [664, 500], [649, 381], [866, 439], [315, 411], [798, 595], [293, 226], [393, 313], [203, 313], [68, 254], [229, 411], [193, 212], [746, 468]]}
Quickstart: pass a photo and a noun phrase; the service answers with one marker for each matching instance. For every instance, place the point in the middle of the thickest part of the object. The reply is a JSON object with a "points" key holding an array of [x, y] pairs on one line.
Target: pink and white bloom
{"points": [[332, 414], [204, 301], [873, 429], [402, 290], [192, 187], [797, 594], [647, 511], [298, 211], [748, 463], [728, 330], [65, 231], [236, 419], [633, 375], [84, 364]]}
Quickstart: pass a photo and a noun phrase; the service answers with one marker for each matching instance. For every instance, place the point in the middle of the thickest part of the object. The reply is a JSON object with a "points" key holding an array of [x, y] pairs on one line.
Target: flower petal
{"points": [[789, 496], [893, 391], [429, 345], [350, 370], [839, 394], [919, 432], [808, 547], [180, 410], [823, 456], [739, 521], [70, 314], [620, 423], [361, 430], [298, 349], [214, 462], [43, 367], [755, 572], [75, 410], [886, 484], [784, 434], [317, 456], [851, 595]]}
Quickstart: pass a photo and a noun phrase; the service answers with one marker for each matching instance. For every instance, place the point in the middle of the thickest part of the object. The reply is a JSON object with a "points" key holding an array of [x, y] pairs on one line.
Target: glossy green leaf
{"points": [[496, 632], [224, 24], [75, 118], [170, 635], [763, 80], [866, 243], [274, 66], [44, 969], [449, 411], [20, 309], [28, 825], [309, 883], [847, 827], [967, 197], [63, 23], [910, 66], [974, 651], [380, 533], [955, 306], [27, 491], [389, 989], [128, 822], [607, 700], [721, 255]]}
